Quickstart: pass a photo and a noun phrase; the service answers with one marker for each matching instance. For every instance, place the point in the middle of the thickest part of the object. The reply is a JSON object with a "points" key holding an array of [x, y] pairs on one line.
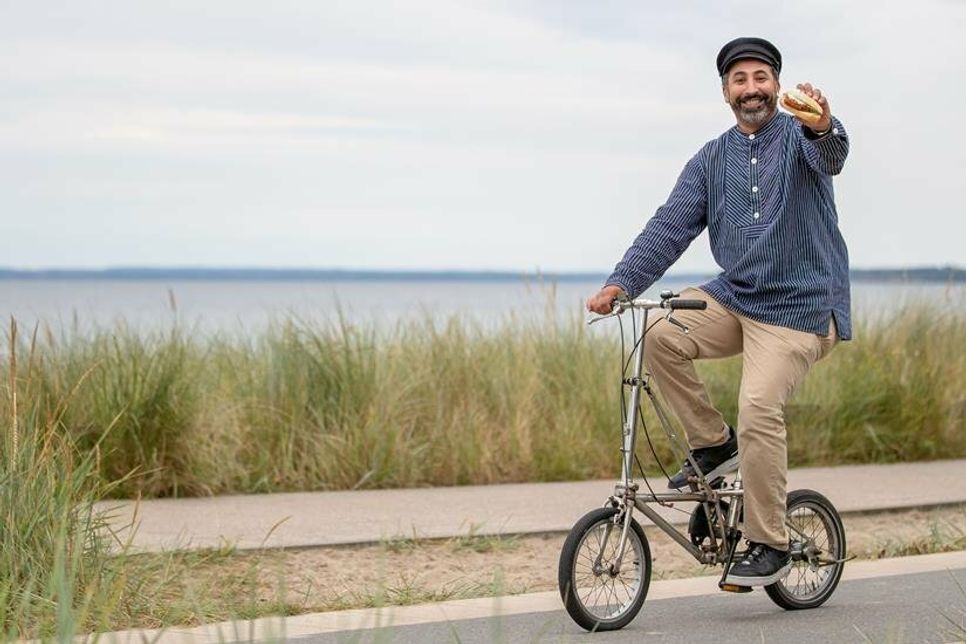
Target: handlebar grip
{"points": [[697, 305]]}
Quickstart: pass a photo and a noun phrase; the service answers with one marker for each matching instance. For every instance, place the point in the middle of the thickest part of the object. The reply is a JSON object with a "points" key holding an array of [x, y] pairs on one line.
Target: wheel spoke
{"points": [[603, 596], [815, 529]]}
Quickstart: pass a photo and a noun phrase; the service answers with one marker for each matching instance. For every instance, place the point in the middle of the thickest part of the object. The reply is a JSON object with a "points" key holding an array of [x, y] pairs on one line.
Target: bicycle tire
{"points": [[581, 587], [817, 571]]}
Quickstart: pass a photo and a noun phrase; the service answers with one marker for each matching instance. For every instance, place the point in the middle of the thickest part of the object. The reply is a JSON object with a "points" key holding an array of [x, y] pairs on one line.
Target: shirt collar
{"points": [[765, 132]]}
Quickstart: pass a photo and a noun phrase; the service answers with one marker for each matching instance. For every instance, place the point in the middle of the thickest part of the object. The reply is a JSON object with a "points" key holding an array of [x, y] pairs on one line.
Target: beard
{"points": [[751, 112]]}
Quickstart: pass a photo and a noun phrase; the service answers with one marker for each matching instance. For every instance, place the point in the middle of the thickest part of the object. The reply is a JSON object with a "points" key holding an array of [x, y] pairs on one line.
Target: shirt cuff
{"points": [[834, 130], [623, 284], [618, 285]]}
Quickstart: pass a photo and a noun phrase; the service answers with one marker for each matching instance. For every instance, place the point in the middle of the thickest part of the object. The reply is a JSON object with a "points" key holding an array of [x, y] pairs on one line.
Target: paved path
{"points": [[330, 518], [903, 608], [904, 599]]}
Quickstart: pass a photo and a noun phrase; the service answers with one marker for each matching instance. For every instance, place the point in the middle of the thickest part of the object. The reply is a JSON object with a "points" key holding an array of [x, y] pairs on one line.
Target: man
{"points": [[763, 189]]}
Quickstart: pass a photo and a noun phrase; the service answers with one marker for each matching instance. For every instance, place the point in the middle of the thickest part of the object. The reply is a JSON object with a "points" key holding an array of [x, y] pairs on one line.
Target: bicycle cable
{"points": [[634, 348], [627, 362], [638, 346], [630, 356], [620, 322], [640, 467], [650, 445], [667, 504]]}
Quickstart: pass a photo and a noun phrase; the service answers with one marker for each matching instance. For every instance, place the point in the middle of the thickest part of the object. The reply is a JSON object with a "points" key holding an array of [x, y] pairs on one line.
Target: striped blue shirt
{"points": [[767, 202]]}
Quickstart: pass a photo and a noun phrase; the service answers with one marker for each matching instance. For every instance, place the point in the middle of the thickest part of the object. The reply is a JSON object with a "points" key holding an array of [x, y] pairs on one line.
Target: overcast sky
{"points": [[515, 134]]}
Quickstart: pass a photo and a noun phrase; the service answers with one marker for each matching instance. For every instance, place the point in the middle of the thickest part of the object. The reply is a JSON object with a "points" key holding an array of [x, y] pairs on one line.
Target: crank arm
{"points": [[826, 562]]}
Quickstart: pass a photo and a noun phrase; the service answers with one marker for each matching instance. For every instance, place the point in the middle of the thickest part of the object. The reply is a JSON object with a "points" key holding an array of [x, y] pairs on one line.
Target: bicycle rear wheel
{"points": [[596, 598], [817, 548]]}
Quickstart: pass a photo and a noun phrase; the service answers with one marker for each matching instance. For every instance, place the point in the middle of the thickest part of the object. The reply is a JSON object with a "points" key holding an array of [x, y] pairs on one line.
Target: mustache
{"points": [[746, 99]]}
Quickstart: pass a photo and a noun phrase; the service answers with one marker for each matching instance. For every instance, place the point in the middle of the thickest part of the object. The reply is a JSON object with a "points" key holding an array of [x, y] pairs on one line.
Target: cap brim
{"points": [[745, 55]]}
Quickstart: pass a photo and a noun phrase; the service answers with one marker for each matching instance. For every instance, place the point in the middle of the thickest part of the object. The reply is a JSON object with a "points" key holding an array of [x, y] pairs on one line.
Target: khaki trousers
{"points": [[774, 361]]}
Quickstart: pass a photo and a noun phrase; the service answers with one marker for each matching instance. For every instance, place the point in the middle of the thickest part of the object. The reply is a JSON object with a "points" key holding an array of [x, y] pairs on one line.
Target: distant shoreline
{"points": [[944, 274]]}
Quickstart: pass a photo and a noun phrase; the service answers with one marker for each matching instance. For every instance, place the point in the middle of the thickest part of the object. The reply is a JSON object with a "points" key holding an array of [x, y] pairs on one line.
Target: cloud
{"points": [[423, 126]]}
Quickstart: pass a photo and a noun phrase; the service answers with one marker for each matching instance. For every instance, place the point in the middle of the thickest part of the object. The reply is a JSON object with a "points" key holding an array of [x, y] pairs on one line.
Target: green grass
{"points": [[470, 541], [322, 407], [119, 413], [939, 540], [55, 576]]}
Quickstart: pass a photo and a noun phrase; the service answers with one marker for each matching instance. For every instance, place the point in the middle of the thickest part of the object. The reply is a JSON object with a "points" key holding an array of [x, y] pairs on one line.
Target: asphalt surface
{"points": [[924, 607]]}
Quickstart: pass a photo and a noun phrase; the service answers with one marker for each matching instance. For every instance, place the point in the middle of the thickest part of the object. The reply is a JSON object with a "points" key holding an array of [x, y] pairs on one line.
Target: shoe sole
{"points": [[725, 468], [738, 580]]}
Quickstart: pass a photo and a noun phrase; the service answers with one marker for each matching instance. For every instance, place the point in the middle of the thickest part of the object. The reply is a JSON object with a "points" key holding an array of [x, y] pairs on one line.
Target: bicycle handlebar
{"points": [[641, 304], [695, 305], [673, 303]]}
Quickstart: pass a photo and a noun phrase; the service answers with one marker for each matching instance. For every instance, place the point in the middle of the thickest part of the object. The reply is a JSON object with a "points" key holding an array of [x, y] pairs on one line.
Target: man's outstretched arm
{"points": [[824, 144]]}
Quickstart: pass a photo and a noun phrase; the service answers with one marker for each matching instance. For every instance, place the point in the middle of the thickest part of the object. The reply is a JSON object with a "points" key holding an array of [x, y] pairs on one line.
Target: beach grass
{"points": [[54, 572], [119, 413], [331, 406]]}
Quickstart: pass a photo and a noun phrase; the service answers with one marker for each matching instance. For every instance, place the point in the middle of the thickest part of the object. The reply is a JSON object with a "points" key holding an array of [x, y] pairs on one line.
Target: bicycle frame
{"points": [[626, 492]]}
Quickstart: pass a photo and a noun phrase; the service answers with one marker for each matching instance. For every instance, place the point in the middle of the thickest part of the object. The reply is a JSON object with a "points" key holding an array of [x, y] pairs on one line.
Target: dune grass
{"points": [[300, 406], [54, 572], [304, 406]]}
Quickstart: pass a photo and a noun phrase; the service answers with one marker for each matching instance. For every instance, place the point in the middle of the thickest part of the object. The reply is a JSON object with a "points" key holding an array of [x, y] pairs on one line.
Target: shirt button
{"points": [[756, 215], [835, 130], [754, 189], [751, 136], [754, 160]]}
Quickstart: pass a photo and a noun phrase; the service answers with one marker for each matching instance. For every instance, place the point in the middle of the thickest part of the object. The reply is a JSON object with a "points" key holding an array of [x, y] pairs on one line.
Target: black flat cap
{"points": [[757, 48]]}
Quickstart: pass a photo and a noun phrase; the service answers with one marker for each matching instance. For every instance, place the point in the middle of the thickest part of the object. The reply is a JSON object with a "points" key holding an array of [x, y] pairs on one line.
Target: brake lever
{"points": [[670, 318], [618, 308], [598, 318]]}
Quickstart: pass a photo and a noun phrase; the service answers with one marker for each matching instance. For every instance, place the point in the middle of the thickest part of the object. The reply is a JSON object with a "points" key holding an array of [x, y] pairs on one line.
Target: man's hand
{"points": [[825, 124], [603, 301]]}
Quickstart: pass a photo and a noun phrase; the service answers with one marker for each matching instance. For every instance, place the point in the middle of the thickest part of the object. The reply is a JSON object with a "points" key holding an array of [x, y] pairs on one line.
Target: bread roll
{"points": [[802, 105]]}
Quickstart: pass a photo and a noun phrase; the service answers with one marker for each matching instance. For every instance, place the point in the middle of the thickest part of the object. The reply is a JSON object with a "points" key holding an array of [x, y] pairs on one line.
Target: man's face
{"points": [[751, 90]]}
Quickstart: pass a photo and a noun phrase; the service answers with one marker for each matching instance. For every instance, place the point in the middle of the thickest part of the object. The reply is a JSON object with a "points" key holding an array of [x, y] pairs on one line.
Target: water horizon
{"points": [[935, 274], [243, 307]]}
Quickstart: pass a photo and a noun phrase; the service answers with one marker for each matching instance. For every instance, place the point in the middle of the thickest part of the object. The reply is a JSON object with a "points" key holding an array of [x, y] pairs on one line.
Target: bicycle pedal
{"points": [[733, 588]]}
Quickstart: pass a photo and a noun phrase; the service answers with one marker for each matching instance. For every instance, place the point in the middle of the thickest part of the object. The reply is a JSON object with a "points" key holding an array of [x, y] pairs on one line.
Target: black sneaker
{"points": [[714, 462], [761, 566]]}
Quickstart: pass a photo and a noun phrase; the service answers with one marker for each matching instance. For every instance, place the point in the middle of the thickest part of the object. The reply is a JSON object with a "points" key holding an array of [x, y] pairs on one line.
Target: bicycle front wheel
{"points": [[596, 597], [817, 549]]}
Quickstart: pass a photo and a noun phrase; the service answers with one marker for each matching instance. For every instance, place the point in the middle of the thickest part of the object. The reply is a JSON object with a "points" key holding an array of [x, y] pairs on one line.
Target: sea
{"points": [[243, 307]]}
